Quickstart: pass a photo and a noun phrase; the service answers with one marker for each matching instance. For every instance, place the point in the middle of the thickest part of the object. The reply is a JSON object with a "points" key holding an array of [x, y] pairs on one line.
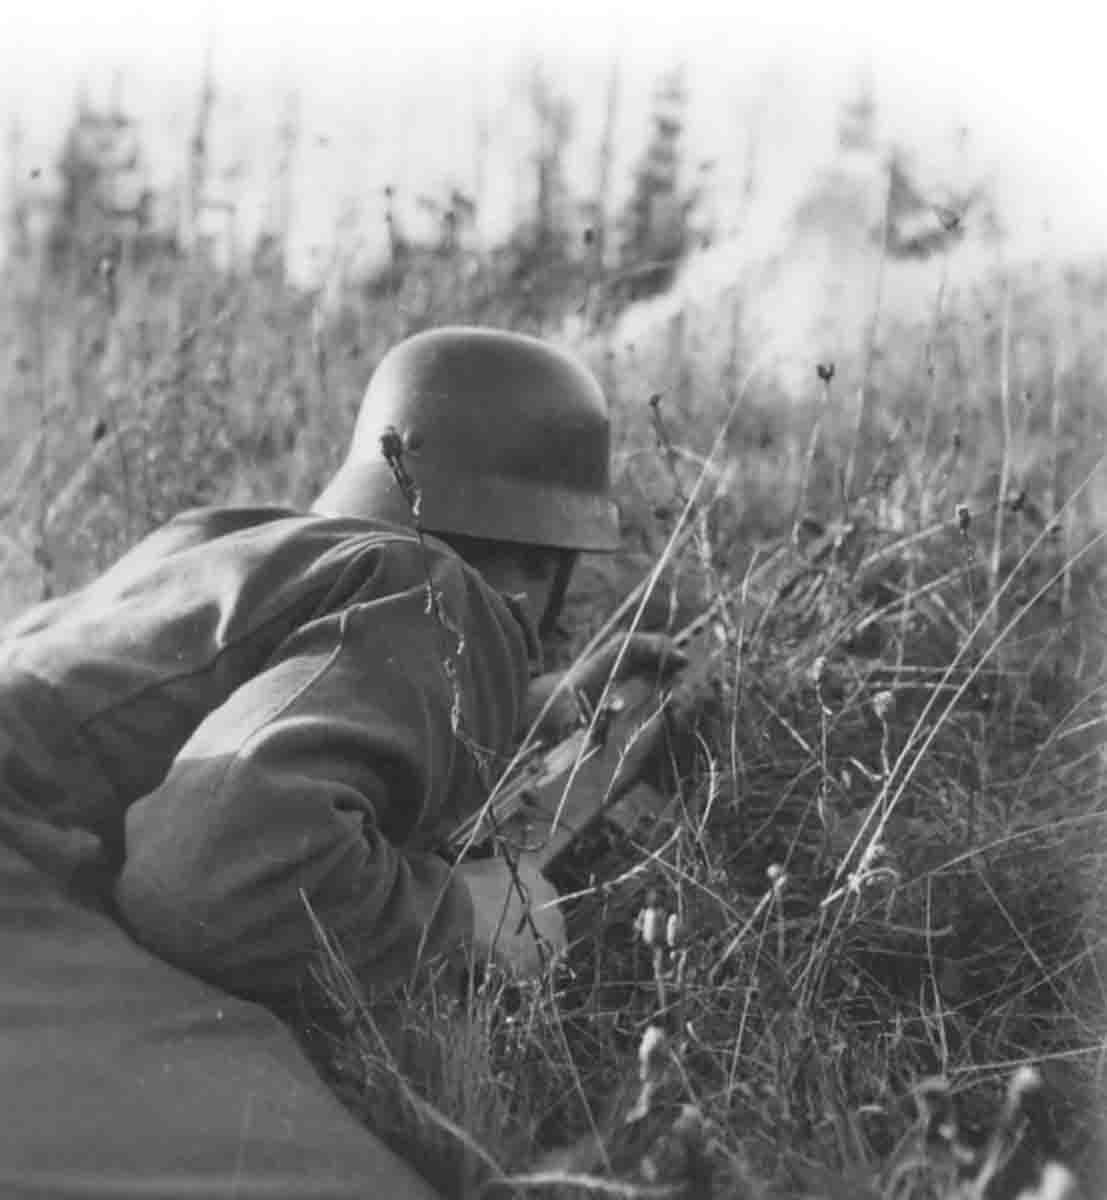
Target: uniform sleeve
{"points": [[317, 779]]}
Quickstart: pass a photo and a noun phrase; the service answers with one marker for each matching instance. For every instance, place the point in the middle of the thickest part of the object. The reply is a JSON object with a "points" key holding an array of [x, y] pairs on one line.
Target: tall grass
{"points": [[883, 857]]}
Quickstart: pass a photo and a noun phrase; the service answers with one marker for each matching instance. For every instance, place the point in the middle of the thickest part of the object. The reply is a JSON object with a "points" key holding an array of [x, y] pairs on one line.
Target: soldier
{"points": [[257, 712]]}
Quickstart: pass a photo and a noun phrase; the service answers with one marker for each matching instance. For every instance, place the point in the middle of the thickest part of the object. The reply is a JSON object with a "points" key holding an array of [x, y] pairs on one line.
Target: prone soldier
{"points": [[261, 718]]}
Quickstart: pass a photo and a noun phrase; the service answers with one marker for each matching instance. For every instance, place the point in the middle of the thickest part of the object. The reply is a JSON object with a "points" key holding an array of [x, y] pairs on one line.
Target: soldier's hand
{"points": [[504, 923], [651, 655], [558, 716], [645, 654]]}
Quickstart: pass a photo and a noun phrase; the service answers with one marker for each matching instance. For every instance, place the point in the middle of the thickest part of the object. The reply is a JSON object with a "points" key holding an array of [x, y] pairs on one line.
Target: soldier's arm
{"points": [[551, 699], [308, 784]]}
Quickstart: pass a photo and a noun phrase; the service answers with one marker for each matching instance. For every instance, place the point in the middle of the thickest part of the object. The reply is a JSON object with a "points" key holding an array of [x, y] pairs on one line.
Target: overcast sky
{"points": [[390, 91]]}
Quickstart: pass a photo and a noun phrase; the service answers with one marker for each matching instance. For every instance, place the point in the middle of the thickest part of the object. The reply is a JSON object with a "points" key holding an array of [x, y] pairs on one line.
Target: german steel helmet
{"points": [[506, 438]]}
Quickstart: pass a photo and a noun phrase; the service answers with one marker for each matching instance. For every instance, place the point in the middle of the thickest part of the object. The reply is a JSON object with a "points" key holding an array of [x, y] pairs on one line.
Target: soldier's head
{"points": [[507, 442]]}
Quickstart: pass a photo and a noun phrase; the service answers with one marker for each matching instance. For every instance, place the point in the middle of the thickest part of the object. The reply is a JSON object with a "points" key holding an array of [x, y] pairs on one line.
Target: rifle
{"points": [[555, 796]]}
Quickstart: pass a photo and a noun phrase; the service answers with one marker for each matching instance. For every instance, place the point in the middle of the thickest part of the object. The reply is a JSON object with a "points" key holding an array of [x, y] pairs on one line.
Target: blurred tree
{"points": [[654, 223], [281, 199], [539, 256], [857, 128], [915, 226], [198, 151], [596, 210], [845, 199], [872, 192], [208, 210], [17, 218], [553, 128], [453, 215], [105, 206]]}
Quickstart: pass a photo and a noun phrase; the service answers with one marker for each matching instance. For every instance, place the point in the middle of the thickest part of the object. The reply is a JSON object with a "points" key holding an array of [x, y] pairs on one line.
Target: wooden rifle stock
{"points": [[554, 797], [556, 794]]}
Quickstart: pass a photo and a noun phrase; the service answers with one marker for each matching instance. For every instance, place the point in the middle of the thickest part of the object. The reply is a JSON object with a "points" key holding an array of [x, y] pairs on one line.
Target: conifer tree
{"points": [[654, 224], [553, 128]]}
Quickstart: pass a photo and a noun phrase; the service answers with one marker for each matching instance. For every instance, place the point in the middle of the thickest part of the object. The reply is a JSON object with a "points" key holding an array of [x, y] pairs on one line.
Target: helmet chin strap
{"points": [[567, 560]]}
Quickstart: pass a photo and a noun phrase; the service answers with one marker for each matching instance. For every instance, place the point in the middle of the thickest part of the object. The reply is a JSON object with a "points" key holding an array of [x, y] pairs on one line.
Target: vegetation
{"points": [[883, 856]]}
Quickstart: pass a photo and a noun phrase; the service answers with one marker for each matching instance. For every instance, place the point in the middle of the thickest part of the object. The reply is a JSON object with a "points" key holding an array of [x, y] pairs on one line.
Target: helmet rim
{"points": [[498, 508], [507, 437]]}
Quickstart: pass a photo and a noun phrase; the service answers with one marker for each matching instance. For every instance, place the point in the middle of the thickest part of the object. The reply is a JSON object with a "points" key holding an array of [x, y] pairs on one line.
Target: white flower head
{"points": [[883, 704], [650, 1050], [651, 918], [672, 931]]}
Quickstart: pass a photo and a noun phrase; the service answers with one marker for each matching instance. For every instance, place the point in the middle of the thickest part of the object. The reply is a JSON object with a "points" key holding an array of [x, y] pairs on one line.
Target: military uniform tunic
{"points": [[252, 712]]}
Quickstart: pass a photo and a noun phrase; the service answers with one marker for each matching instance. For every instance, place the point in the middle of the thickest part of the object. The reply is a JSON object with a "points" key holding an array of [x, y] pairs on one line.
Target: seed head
{"points": [[650, 1051], [392, 445], [1025, 1079], [883, 704], [392, 450], [651, 917], [689, 1120], [672, 931]]}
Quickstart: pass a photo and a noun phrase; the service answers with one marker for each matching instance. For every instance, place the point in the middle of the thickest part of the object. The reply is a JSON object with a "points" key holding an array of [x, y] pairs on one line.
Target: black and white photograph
{"points": [[553, 600]]}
